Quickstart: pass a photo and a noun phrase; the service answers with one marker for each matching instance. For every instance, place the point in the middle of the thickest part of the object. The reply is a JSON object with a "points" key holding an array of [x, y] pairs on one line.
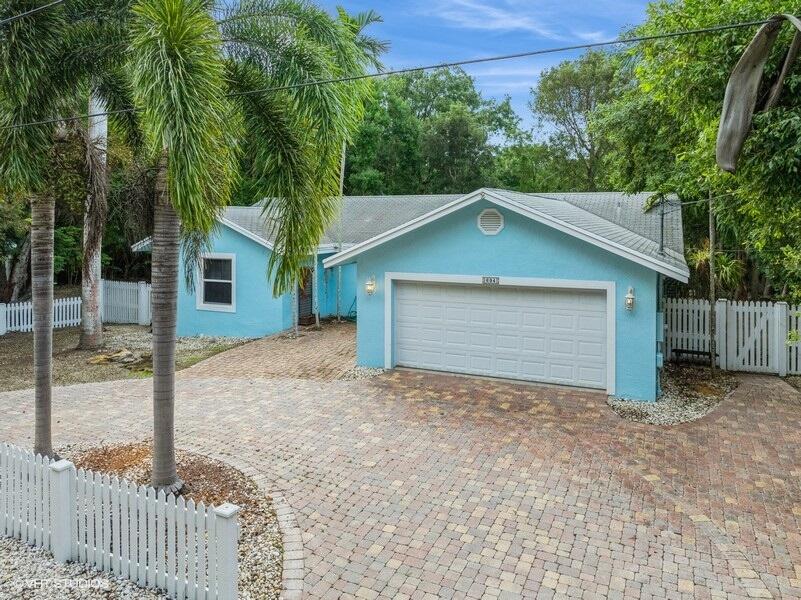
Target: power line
{"points": [[476, 61], [33, 11], [444, 65]]}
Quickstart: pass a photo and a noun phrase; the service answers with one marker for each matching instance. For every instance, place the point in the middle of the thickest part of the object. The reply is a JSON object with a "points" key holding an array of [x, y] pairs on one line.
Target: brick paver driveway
{"points": [[419, 485]]}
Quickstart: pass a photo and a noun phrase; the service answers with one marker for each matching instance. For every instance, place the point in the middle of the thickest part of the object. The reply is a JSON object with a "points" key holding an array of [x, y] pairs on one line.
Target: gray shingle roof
{"points": [[616, 217]]}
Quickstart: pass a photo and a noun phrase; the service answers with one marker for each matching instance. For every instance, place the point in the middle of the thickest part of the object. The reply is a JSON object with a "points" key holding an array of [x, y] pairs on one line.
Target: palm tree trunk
{"points": [[166, 242], [42, 222], [19, 274], [93, 226]]}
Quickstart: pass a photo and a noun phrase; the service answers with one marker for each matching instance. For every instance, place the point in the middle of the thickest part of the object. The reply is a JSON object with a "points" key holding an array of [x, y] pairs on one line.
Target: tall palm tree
{"points": [[295, 130], [206, 90], [29, 49], [189, 128], [45, 59]]}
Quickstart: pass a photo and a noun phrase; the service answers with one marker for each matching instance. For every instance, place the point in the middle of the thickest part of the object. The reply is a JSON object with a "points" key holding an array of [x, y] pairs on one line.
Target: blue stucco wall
{"points": [[524, 248], [327, 286], [257, 314]]}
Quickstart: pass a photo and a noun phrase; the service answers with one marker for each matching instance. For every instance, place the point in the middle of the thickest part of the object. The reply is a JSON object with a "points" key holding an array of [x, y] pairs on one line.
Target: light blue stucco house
{"points": [[553, 288]]}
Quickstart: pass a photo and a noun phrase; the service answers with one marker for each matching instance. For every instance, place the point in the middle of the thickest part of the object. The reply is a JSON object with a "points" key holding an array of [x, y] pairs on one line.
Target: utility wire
{"points": [[474, 61], [33, 11]]}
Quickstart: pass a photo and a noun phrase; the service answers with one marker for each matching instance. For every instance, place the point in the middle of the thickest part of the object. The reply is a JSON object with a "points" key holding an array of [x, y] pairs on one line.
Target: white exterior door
{"points": [[534, 334]]}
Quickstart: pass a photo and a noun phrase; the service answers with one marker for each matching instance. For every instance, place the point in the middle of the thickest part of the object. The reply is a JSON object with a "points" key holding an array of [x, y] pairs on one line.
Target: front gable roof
{"points": [[599, 219]]}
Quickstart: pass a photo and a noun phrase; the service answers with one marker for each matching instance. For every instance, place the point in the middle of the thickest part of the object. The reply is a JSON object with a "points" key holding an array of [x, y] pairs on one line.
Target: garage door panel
{"points": [[563, 347], [429, 334], [556, 336], [536, 320], [563, 322], [532, 344], [456, 313], [509, 318], [481, 341], [507, 342], [591, 350], [456, 361], [595, 323]]}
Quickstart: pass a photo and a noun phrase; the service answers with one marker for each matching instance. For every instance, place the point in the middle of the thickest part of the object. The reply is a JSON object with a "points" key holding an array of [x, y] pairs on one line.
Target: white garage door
{"points": [[535, 334]]}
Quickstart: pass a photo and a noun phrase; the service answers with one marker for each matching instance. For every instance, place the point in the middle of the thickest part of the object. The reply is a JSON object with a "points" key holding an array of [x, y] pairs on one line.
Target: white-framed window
{"points": [[217, 282]]}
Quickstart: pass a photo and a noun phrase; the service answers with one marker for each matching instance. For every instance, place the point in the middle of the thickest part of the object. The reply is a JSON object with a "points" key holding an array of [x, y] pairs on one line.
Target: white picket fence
{"points": [[122, 302], [157, 541], [750, 336]]}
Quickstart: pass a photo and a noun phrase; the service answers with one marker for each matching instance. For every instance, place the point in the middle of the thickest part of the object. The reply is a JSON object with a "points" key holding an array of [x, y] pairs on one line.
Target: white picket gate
{"points": [[130, 531], [126, 302], [121, 302], [751, 336]]}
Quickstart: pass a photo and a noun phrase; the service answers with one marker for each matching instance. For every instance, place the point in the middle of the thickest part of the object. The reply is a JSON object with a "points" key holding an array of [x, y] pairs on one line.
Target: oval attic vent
{"points": [[490, 221]]}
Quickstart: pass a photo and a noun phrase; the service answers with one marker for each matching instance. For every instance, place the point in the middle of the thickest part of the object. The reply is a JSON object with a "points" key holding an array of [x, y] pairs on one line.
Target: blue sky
{"points": [[431, 31]]}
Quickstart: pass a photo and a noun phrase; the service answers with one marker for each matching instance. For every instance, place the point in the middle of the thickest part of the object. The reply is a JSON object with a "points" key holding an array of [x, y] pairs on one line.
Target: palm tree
{"points": [[179, 87], [29, 49], [295, 130], [45, 59], [206, 91]]}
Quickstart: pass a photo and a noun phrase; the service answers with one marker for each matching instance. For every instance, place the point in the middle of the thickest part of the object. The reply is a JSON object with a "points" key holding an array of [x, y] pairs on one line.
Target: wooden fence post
{"points": [[227, 534], [62, 509], [780, 320], [3, 319], [721, 324], [143, 304]]}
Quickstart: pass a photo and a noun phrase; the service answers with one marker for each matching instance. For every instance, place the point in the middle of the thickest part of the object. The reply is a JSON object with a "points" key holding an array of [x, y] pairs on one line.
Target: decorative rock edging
{"points": [[292, 567]]}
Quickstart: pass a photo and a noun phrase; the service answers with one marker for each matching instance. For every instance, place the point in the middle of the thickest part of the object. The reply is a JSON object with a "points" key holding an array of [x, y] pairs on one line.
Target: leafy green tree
{"points": [[455, 151], [386, 155], [527, 166], [564, 100], [429, 133], [662, 131]]}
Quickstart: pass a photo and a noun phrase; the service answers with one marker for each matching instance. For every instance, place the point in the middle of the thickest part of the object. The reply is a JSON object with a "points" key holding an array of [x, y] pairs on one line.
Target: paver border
{"points": [[292, 561]]}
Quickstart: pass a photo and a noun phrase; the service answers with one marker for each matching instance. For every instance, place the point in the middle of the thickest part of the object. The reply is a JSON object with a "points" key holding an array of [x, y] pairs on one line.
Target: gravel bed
{"points": [[29, 573], [360, 373], [688, 393], [207, 480], [139, 339]]}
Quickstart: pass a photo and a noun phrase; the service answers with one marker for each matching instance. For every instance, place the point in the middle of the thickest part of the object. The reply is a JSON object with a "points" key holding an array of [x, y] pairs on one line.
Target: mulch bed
{"points": [[688, 393], [211, 482]]}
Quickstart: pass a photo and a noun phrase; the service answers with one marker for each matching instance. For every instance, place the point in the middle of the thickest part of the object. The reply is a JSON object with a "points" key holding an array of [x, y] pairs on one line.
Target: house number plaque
{"points": [[486, 280]]}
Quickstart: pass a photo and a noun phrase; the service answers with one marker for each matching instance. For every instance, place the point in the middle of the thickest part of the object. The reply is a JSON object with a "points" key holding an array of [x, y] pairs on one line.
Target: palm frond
{"points": [[179, 87]]}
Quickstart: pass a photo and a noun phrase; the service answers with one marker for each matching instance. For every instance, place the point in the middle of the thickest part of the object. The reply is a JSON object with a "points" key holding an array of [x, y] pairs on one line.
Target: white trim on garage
{"points": [[577, 284]]}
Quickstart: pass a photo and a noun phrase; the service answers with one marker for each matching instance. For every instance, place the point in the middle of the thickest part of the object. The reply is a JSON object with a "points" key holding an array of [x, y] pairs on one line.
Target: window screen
{"points": [[217, 281]]}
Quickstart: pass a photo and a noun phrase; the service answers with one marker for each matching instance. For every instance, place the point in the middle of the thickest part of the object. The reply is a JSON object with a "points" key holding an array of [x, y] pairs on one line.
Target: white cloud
{"points": [[551, 19], [506, 15], [592, 36]]}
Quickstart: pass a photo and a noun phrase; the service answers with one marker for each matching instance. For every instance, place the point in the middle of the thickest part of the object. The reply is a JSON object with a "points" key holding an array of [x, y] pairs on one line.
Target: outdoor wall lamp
{"points": [[630, 299], [369, 285]]}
